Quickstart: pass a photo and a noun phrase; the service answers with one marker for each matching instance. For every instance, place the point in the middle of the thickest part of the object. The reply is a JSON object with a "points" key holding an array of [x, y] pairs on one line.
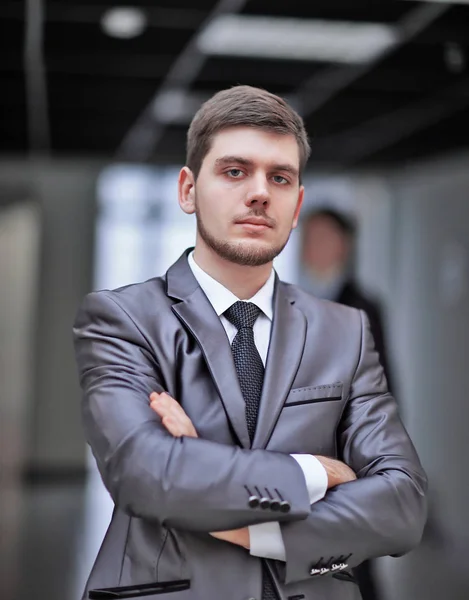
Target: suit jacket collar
{"points": [[180, 281], [284, 356]]}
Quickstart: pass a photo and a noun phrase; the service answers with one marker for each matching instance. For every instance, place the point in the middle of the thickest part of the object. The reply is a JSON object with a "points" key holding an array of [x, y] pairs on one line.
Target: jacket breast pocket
{"points": [[308, 420], [313, 394]]}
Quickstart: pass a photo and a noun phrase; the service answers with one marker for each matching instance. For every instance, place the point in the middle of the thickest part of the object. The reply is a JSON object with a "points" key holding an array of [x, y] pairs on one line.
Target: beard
{"points": [[240, 252]]}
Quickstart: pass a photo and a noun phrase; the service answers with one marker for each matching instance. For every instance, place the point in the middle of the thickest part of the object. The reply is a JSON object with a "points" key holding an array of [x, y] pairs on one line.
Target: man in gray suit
{"points": [[243, 427]]}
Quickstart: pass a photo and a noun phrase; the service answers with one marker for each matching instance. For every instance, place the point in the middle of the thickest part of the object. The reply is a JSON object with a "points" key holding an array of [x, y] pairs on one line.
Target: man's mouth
{"points": [[258, 222]]}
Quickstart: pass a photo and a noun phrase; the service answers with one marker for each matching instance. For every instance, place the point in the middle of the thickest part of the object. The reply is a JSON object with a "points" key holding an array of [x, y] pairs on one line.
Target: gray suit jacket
{"points": [[324, 393]]}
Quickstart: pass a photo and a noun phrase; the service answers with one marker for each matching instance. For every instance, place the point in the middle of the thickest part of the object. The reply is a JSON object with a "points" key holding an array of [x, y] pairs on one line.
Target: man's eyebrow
{"points": [[226, 160], [239, 160]]}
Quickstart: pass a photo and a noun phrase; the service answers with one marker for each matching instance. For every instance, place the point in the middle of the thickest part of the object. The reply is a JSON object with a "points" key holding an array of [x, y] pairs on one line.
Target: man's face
{"points": [[247, 196]]}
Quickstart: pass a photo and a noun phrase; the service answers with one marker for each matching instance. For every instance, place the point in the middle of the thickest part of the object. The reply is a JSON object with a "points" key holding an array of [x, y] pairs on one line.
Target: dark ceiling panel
{"points": [[101, 65], [13, 95], [339, 10], [82, 104], [417, 57], [95, 134], [349, 110], [13, 135], [180, 4], [282, 74], [98, 86], [89, 38], [88, 92], [11, 36], [413, 70], [172, 145], [455, 19], [448, 135], [13, 121], [11, 63]]}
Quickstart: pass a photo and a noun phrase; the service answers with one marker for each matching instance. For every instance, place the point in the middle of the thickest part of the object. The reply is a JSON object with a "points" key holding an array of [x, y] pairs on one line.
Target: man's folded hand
{"points": [[337, 471], [172, 415]]}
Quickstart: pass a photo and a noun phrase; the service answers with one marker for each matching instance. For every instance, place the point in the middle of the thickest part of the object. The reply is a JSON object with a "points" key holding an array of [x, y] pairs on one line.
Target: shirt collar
{"points": [[221, 298]]}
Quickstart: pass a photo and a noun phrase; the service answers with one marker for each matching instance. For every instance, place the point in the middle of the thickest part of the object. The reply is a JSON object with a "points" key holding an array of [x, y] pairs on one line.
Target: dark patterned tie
{"points": [[250, 370]]}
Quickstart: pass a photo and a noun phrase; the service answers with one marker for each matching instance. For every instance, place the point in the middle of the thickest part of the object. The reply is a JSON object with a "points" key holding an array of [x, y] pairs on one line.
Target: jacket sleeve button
{"points": [[285, 506], [253, 501], [275, 505], [265, 503]]}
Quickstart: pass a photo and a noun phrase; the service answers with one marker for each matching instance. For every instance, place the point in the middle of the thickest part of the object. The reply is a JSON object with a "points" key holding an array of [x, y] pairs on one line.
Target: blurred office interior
{"points": [[96, 99]]}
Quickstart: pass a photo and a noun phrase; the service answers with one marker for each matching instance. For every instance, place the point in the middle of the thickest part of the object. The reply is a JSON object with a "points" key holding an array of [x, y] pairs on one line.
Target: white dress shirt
{"points": [[266, 538]]}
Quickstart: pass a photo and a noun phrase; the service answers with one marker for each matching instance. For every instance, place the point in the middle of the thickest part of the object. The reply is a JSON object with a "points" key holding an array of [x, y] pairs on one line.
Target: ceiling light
{"points": [[455, 57], [125, 22], [296, 39]]}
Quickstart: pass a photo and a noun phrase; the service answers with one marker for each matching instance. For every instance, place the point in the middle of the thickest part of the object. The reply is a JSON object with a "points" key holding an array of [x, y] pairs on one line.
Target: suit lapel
{"points": [[286, 346], [197, 314]]}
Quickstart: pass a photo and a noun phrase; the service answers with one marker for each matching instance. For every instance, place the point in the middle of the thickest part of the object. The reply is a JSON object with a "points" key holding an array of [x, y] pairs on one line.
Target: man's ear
{"points": [[186, 190], [301, 195]]}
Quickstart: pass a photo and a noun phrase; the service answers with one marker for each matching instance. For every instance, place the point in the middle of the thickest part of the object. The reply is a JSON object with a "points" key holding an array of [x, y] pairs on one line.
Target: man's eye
{"points": [[234, 173], [280, 179]]}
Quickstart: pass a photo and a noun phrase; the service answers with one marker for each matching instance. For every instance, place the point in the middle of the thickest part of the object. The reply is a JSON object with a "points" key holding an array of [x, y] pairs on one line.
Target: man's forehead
{"points": [[255, 145]]}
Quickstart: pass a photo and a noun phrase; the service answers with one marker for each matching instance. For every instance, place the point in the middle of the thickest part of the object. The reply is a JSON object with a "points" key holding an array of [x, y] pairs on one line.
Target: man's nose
{"points": [[259, 193]]}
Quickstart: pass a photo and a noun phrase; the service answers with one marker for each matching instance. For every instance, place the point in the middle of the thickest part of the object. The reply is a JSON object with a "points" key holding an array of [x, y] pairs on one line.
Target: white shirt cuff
{"points": [[315, 476], [266, 541]]}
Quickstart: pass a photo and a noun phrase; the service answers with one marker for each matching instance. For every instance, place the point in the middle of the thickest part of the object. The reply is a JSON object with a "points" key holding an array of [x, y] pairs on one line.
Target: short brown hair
{"points": [[238, 106]]}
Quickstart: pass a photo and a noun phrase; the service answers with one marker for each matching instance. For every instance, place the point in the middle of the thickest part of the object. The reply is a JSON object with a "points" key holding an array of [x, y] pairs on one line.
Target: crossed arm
{"points": [[178, 424]]}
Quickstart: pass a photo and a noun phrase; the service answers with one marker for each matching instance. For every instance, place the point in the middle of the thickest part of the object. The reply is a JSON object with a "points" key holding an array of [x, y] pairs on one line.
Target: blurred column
{"points": [[430, 318], [19, 239], [67, 196]]}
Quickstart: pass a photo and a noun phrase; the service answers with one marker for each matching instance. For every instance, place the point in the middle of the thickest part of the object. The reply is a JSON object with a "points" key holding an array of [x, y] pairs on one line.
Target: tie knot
{"points": [[242, 314]]}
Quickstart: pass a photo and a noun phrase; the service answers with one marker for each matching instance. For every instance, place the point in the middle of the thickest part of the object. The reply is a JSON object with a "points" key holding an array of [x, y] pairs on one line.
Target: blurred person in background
{"points": [[327, 271], [243, 428]]}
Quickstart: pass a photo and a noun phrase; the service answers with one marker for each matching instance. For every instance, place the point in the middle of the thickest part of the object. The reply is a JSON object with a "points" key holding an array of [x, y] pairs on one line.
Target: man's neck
{"points": [[243, 281]]}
